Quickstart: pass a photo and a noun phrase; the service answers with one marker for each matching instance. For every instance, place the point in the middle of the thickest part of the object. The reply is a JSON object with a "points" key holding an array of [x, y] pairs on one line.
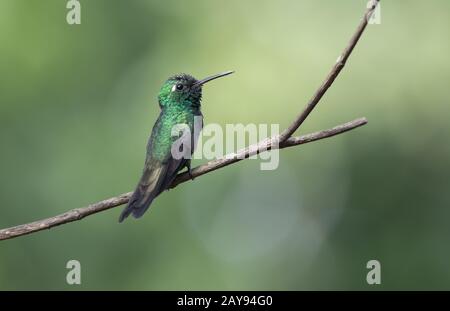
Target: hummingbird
{"points": [[179, 100]]}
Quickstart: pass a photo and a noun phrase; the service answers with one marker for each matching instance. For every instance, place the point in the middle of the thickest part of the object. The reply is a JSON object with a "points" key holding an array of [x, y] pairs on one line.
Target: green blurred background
{"points": [[77, 104]]}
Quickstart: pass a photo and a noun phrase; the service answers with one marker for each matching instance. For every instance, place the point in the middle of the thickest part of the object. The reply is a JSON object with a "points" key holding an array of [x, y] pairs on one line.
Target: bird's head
{"points": [[184, 90]]}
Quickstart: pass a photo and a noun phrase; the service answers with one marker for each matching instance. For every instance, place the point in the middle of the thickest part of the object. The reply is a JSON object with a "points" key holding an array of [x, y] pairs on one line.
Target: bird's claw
{"points": [[189, 171]]}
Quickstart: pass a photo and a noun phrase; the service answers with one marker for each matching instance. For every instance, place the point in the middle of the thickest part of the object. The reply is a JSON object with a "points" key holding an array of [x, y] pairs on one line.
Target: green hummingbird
{"points": [[179, 100]]}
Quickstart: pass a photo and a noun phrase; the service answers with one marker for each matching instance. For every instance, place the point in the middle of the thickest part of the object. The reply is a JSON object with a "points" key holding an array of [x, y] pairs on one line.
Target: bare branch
{"points": [[340, 63], [284, 140], [80, 213], [263, 146]]}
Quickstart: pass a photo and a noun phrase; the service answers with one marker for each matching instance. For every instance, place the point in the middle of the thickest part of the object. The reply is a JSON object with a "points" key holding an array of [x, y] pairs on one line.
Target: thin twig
{"points": [[263, 146], [80, 213], [338, 66], [284, 140]]}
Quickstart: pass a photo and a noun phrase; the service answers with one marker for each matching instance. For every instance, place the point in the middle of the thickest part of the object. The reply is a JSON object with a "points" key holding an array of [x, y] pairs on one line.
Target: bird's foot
{"points": [[189, 170]]}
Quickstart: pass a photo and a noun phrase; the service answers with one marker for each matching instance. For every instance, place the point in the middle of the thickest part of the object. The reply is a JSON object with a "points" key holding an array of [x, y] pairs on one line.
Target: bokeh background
{"points": [[77, 104]]}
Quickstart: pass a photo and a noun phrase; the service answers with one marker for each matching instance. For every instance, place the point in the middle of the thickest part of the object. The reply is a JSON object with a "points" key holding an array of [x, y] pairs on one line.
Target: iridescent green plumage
{"points": [[179, 100]]}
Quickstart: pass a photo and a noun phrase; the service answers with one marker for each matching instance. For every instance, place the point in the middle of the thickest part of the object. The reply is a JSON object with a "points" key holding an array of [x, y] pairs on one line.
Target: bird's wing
{"points": [[149, 186], [156, 177], [159, 172]]}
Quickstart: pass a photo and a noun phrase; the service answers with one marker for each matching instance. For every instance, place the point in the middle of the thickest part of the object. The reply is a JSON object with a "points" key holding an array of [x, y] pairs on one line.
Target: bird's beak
{"points": [[213, 77]]}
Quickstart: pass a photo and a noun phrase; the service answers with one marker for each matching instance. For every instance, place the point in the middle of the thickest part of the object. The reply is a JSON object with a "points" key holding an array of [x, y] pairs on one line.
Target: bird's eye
{"points": [[179, 86]]}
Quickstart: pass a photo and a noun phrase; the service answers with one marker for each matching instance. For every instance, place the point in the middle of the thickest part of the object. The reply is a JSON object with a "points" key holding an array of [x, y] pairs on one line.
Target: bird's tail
{"points": [[147, 189]]}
